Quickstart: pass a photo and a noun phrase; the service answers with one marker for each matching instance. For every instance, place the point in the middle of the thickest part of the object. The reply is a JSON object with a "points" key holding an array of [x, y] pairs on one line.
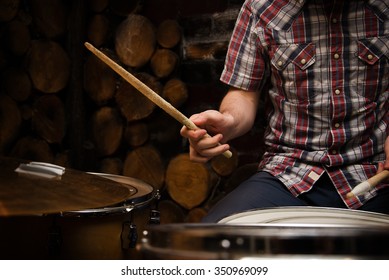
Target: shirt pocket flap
{"points": [[370, 50], [301, 55]]}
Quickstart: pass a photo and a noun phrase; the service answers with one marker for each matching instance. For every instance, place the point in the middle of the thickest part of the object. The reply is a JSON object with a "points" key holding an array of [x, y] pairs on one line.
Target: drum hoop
{"points": [[169, 253], [359, 214], [161, 240], [200, 229], [126, 208]]}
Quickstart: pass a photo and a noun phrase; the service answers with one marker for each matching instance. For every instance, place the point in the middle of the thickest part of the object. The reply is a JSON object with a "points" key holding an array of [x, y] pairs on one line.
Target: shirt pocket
{"points": [[372, 50], [301, 55], [373, 69], [291, 64]]}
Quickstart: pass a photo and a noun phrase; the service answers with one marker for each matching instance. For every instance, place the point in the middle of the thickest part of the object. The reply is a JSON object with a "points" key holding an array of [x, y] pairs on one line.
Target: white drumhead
{"points": [[308, 215]]}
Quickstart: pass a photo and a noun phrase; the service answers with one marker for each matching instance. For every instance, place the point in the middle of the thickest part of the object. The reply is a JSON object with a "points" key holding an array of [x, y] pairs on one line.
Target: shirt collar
{"points": [[277, 14]]}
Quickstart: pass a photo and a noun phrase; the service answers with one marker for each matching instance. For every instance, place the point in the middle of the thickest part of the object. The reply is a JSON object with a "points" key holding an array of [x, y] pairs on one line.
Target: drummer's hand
{"points": [[202, 148], [385, 165]]}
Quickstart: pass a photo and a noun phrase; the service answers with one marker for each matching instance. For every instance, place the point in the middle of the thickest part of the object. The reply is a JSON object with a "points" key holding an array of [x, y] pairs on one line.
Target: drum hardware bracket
{"points": [[155, 214], [129, 207], [129, 235], [155, 217]]}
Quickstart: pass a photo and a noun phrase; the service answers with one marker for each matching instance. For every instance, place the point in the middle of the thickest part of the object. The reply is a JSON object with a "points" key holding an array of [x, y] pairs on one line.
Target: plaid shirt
{"points": [[328, 65]]}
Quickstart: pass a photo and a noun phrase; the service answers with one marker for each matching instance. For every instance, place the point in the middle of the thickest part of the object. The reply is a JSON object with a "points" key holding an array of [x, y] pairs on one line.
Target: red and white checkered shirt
{"points": [[328, 62]]}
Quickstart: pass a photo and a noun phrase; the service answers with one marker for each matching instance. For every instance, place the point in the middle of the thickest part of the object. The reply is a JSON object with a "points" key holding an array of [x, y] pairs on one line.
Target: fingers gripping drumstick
{"points": [[148, 92], [367, 185]]}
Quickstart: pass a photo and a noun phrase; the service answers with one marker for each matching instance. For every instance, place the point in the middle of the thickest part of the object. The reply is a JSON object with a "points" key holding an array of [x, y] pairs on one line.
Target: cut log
{"points": [[8, 9], [107, 130], [111, 166], [48, 119], [170, 212], [164, 62], [62, 159], [169, 33], [195, 215], [17, 84], [26, 111], [134, 105], [225, 166], [136, 134], [49, 17], [34, 149], [145, 163], [98, 6], [98, 30], [99, 80], [10, 122], [135, 40], [48, 65], [188, 183], [175, 92], [18, 37], [125, 8]]}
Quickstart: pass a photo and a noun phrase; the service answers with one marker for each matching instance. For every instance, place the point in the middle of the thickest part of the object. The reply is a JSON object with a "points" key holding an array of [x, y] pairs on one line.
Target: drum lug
{"points": [[129, 236], [155, 217]]}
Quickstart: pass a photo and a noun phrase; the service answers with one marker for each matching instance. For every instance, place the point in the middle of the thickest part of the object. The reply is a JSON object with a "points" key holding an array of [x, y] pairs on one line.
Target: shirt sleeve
{"points": [[244, 66]]}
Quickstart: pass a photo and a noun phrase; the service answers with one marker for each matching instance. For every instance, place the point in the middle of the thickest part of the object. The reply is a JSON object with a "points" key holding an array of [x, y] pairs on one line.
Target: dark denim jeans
{"points": [[263, 190]]}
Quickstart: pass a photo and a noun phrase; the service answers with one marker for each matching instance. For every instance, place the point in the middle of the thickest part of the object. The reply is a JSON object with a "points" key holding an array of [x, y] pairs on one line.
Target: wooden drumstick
{"points": [[148, 92], [368, 184]]}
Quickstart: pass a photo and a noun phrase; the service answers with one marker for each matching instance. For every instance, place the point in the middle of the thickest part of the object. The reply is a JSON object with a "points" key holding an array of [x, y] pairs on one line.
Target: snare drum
{"points": [[102, 233], [109, 232], [289, 233]]}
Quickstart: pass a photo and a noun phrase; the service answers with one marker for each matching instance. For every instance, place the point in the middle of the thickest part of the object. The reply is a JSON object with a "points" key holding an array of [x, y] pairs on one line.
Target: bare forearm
{"points": [[241, 106]]}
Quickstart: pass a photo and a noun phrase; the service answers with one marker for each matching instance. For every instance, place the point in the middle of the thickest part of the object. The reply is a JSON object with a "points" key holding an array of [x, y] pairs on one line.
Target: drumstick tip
{"points": [[88, 45], [227, 154]]}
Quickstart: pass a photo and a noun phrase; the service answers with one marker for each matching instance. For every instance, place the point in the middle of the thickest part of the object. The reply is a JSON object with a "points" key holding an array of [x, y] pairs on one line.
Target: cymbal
{"points": [[26, 194]]}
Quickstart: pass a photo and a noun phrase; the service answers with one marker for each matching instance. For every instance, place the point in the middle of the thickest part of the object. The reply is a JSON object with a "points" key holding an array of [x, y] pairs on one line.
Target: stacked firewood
{"points": [[35, 69], [124, 133]]}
